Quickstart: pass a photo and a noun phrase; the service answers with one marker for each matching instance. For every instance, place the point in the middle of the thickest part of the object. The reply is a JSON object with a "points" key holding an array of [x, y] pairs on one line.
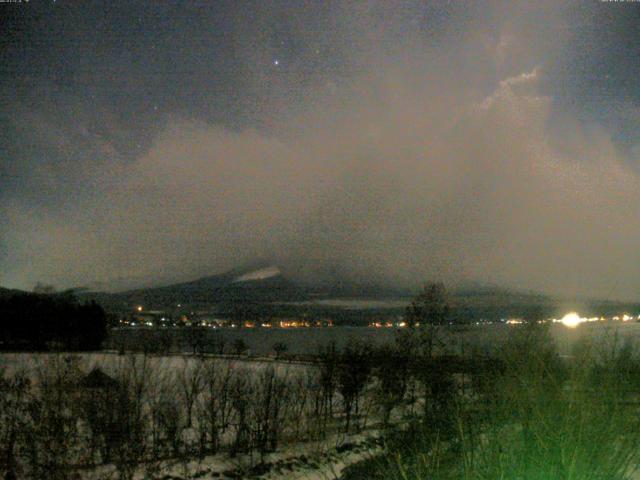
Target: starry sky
{"points": [[392, 141]]}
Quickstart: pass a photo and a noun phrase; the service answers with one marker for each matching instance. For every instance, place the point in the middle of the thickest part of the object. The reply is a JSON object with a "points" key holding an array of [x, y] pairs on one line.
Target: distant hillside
{"points": [[265, 284], [279, 296], [494, 303]]}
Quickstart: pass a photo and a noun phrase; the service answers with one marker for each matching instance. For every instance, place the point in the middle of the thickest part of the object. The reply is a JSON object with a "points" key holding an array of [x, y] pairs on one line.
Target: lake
{"points": [[301, 341]]}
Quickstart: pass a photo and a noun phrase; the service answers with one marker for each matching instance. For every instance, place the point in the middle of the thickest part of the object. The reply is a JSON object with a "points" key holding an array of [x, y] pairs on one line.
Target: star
{"points": [[276, 62]]}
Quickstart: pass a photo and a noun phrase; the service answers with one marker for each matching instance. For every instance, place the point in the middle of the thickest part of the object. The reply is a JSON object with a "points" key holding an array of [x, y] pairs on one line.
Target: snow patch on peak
{"points": [[261, 274]]}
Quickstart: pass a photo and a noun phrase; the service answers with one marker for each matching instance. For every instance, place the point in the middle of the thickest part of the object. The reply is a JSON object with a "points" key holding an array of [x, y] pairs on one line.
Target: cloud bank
{"points": [[432, 160]]}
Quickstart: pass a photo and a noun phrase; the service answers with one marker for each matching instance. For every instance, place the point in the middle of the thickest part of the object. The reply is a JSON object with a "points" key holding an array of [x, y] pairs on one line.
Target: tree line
{"points": [[41, 322]]}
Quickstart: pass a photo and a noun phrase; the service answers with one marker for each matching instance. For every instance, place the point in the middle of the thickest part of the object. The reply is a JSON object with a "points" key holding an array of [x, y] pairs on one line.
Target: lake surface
{"points": [[300, 341]]}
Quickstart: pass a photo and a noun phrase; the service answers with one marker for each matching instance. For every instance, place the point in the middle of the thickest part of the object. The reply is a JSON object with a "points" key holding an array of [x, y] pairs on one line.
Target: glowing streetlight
{"points": [[571, 320]]}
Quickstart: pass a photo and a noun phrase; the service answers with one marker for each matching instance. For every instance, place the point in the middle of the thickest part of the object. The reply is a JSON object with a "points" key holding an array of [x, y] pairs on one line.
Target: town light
{"points": [[571, 320]]}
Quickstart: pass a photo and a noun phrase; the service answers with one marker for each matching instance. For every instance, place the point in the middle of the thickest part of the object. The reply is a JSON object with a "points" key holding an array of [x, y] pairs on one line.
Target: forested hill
{"points": [[31, 321]]}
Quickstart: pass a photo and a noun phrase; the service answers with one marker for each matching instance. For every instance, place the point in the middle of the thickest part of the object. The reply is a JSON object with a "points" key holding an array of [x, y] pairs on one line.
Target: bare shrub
{"points": [[391, 366], [239, 346], [280, 348]]}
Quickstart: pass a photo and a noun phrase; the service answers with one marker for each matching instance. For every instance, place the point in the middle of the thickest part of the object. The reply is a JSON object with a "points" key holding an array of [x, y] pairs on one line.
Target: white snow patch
{"points": [[258, 274]]}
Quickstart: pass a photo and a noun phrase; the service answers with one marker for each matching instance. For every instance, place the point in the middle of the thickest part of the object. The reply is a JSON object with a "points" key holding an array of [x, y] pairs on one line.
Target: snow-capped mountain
{"points": [[260, 274], [256, 283]]}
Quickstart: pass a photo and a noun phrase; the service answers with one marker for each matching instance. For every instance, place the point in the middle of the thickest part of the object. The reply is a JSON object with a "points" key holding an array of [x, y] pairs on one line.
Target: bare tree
{"points": [[165, 340], [241, 393], [270, 391], [300, 391], [128, 432], [54, 439], [217, 344], [328, 381], [190, 380], [14, 413], [162, 389], [196, 338], [214, 406], [167, 413]]}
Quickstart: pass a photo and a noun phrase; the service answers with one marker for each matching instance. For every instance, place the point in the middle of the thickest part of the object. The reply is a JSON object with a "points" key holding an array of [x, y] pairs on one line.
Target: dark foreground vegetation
{"points": [[61, 417], [40, 322], [523, 414]]}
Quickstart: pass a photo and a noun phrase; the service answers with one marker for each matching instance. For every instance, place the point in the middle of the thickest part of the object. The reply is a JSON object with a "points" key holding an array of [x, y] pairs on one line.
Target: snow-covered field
{"points": [[111, 363]]}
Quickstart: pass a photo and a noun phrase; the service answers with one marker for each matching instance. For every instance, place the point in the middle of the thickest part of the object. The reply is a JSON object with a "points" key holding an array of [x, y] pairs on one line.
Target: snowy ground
{"points": [[323, 460], [109, 362]]}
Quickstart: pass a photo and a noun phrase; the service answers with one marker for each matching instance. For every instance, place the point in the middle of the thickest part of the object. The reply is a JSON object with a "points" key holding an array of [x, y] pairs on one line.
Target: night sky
{"points": [[395, 142]]}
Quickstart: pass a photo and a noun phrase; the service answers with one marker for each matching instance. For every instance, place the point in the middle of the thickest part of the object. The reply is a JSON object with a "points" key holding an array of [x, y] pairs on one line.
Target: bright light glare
{"points": [[571, 320]]}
